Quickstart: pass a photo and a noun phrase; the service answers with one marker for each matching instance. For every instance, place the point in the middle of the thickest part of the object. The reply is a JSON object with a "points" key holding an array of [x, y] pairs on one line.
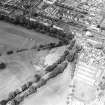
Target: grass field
{"points": [[18, 37], [54, 92], [19, 70]]}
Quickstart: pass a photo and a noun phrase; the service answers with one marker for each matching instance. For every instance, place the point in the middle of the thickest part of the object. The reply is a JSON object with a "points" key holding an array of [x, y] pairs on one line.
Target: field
{"points": [[18, 37], [20, 70], [54, 92], [19, 66]]}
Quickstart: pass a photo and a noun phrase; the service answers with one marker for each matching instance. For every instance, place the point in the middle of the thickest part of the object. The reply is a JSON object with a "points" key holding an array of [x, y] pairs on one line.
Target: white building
{"points": [[49, 1]]}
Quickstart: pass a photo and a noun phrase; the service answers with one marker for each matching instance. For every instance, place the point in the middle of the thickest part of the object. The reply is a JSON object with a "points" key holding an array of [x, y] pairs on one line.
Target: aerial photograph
{"points": [[52, 52]]}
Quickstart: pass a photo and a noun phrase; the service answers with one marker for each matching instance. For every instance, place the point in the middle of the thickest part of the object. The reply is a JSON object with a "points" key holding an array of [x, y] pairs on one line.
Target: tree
{"points": [[66, 52], [62, 58], [26, 94], [41, 83], [37, 77], [29, 84], [59, 69], [24, 87], [70, 57], [3, 102], [3, 66], [32, 89], [17, 91], [12, 18], [71, 45], [21, 20], [51, 68], [9, 52], [1, 16], [12, 102], [18, 99], [11, 95]]}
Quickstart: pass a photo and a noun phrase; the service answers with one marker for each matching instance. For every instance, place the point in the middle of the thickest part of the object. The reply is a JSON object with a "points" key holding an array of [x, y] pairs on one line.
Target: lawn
{"points": [[18, 37], [19, 69]]}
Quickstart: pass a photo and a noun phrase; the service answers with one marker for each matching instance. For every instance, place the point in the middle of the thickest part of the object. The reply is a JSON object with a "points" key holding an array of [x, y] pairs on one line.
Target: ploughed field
{"points": [[19, 68]]}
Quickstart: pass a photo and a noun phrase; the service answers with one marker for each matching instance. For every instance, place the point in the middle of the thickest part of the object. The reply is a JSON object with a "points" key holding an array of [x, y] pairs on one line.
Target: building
{"points": [[49, 1]]}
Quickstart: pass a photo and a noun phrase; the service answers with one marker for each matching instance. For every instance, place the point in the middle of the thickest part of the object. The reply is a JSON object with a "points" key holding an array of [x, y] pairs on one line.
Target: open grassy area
{"points": [[18, 70], [19, 37], [54, 92]]}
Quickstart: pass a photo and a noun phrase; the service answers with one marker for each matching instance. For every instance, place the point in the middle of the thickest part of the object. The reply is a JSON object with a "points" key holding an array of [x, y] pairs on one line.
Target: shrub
{"points": [[11, 95], [50, 68], [32, 89], [3, 102], [24, 87], [37, 77], [17, 91], [2, 65], [29, 84]]}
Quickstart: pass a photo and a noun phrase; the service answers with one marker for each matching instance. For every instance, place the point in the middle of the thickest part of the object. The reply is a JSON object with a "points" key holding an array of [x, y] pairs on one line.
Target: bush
{"points": [[9, 52], [66, 52], [18, 99], [50, 68], [32, 89], [3, 66], [11, 95], [71, 57], [12, 102], [24, 87], [37, 77], [62, 58], [17, 91], [26, 94], [59, 69], [71, 45], [29, 84], [41, 83], [3, 102]]}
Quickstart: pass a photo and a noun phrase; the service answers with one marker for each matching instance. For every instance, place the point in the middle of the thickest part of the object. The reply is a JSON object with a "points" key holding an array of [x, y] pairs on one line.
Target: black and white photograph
{"points": [[52, 52]]}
